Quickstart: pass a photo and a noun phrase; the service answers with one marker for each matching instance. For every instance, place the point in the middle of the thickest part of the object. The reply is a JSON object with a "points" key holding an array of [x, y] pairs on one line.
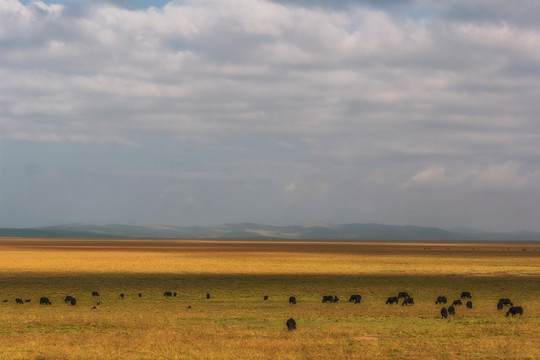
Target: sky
{"points": [[286, 112]]}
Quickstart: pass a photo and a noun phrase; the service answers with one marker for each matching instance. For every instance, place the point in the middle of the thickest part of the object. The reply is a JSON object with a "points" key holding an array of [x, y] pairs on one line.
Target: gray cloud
{"points": [[278, 112]]}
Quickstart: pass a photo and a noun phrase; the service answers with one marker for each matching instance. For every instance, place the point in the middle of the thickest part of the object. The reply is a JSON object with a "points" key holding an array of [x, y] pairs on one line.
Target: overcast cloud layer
{"points": [[287, 112]]}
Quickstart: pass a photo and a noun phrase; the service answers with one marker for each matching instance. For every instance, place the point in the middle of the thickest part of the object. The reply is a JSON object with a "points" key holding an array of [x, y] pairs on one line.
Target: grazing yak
{"points": [[444, 313], [19, 301], [469, 304], [392, 300], [68, 298], [208, 295], [403, 294], [457, 303], [355, 298], [27, 300], [95, 293], [140, 295], [441, 300], [44, 301], [174, 294], [502, 302], [292, 300], [122, 295], [167, 293], [514, 310], [291, 324], [408, 301], [330, 298], [452, 310], [265, 297], [466, 295], [73, 301]]}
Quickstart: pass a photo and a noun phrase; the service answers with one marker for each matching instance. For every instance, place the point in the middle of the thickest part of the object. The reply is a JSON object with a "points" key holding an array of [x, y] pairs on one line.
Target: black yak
{"points": [[408, 301], [327, 298], [452, 310], [502, 302], [291, 324], [466, 295], [441, 300], [444, 313], [292, 300], [514, 310], [392, 300], [45, 301]]}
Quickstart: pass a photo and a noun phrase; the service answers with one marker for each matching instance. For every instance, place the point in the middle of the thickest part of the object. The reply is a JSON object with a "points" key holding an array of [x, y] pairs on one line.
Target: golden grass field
{"points": [[235, 323]]}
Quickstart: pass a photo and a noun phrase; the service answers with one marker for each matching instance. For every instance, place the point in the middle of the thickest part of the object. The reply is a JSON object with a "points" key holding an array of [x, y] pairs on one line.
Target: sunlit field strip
{"points": [[215, 258]]}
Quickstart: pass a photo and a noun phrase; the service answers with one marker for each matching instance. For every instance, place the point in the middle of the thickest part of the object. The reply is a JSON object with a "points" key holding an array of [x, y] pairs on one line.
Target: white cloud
{"points": [[506, 176], [290, 187], [250, 66], [502, 176], [433, 175]]}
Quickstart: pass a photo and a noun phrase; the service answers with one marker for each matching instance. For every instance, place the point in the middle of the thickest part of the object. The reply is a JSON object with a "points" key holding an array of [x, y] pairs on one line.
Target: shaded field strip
{"points": [[224, 246], [9, 277]]}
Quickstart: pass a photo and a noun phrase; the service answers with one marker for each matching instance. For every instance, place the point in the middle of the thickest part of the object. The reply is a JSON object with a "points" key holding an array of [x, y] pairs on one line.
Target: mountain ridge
{"points": [[351, 232]]}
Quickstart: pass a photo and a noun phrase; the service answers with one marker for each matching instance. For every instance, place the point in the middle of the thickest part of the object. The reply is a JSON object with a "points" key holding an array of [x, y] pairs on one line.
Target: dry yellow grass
{"points": [[244, 257], [237, 323]]}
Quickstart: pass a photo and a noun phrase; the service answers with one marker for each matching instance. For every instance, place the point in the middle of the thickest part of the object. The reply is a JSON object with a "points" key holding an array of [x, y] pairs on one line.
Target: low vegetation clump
{"points": [[219, 311]]}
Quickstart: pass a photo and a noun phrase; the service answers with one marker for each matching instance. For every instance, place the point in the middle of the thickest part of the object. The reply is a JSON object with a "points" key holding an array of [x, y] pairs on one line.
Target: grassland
{"points": [[236, 323]]}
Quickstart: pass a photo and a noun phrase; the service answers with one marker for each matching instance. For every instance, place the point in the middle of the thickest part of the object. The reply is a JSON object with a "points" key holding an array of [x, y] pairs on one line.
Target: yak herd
{"points": [[356, 299], [407, 300]]}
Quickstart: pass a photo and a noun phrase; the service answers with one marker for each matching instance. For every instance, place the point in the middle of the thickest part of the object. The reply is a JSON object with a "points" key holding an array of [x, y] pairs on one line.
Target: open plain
{"points": [[235, 322]]}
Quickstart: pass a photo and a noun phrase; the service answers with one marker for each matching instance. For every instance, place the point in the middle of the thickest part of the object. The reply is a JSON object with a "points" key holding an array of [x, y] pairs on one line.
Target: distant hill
{"points": [[258, 231], [498, 236]]}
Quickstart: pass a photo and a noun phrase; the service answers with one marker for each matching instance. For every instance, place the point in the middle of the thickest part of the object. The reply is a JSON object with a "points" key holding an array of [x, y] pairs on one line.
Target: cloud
{"points": [[344, 106], [506, 176], [254, 67], [290, 187], [433, 175], [503, 176]]}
